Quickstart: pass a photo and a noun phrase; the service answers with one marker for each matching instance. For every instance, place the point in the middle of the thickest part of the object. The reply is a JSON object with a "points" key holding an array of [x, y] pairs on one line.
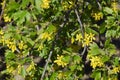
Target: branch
{"points": [[3, 7], [46, 65], [66, 16], [100, 7], [81, 28]]}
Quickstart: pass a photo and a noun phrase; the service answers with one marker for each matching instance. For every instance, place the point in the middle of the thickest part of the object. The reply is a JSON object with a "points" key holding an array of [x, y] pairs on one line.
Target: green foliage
{"points": [[57, 39]]}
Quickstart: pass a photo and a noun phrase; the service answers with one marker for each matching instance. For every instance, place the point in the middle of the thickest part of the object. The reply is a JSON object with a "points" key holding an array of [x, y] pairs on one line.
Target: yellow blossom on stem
{"points": [[114, 6], [79, 37], [115, 70], [88, 39], [13, 47], [6, 18], [45, 4], [31, 67], [46, 35], [91, 36], [1, 32], [40, 47], [21, 45], [59, 61], [2, 40], [61, 75], [19, 69], [3, 3], [72, 40], [97, 16], [10, 69], [96, 62], [86, 42]]}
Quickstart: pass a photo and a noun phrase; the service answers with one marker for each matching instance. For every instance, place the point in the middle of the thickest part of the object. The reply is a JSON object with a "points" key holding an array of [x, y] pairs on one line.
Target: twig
{"points": [[3, 7], [53, 44], [81, 28], [46, 65], [100, 7]]}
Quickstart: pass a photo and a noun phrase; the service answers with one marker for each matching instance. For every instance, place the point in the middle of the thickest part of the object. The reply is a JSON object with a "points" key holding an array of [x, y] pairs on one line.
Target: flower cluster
{"points": [[59, 61], [96, 62], [10, 43], [46, 35], [97, 16], [67, 5], [22, 45], [3, 3], [6, 18], [31, 67], [10, 69], [45, 4], [115, 70], [40, 47], [114, 6], [61, 75], [88, 38]]}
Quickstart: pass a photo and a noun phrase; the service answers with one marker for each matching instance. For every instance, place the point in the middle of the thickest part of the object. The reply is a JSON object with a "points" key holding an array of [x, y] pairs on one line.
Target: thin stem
{"points": [[79, 20], [3, 7], [81, 28], [46, 65], [66, 16]]}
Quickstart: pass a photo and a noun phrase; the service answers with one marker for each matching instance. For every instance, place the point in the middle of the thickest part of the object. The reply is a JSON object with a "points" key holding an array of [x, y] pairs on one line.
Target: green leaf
{"points": [[66, 59], [23, 72], [116, 61], [38, 3], [107, 10], [77, 59], [95, 50], [25, 3], [105, 58], [96, 75], [17, 36], [30, 42], [15, 6], [53, 76], [7, 35], [9, 55], [73, 67], [20, 16], [111, 33]]}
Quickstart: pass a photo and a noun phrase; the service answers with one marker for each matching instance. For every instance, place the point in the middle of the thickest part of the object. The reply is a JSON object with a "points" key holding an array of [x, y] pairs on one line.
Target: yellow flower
{"points": [[72, 40], [60, 75], [67, 5], [19, 69], [79, 37], [10, 69], [59, 61], [46, 35], [1, 32], [13, 47], [86, 42], [40, 47], [115, 70], [21, 45], [45, 4], [6, 18], [91, 36], [31, 67], [88, 39], [97, 16], [3, 3], [114, 6], [2, 40], [96, 62]]}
